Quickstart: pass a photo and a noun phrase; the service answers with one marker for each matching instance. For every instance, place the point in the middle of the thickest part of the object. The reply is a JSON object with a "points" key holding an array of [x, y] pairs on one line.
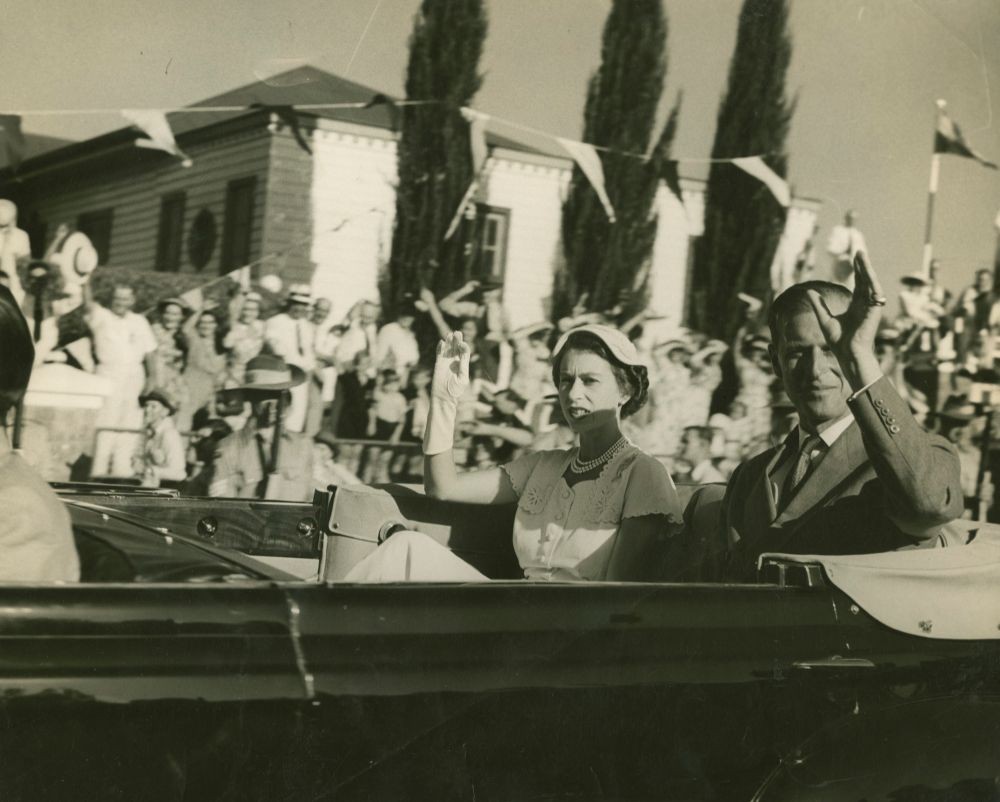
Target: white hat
{"points": [[300, 294], [618, 344], [77, 255]]}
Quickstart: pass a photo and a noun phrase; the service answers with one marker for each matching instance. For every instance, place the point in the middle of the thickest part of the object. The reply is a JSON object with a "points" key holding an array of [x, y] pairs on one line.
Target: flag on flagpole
{"points": [[589, 163], [949, 139], [154, 124], [477, 137], [755, 166], [12, 139]]}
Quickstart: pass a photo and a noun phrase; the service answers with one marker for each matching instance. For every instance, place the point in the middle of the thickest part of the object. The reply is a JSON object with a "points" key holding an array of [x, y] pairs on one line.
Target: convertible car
{"points": [[178, 669]]}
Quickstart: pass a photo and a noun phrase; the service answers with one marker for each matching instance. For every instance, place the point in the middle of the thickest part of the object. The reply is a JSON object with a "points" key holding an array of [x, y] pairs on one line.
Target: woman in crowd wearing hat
{"points": [[36, 538], [600, 511], [161, 456], [264, 460]]}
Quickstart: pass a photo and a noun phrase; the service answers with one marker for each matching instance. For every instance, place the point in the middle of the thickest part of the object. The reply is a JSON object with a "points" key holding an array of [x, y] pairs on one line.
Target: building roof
{"points": [[300, 86], [35, 145]]}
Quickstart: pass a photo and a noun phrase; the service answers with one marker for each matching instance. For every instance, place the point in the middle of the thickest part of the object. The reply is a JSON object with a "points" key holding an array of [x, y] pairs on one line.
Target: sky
{"points": [[866, 74]]}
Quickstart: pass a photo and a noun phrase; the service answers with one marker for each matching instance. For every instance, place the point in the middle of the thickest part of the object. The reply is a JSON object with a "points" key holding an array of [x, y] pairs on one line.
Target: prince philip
{"points": [[858, 474]]}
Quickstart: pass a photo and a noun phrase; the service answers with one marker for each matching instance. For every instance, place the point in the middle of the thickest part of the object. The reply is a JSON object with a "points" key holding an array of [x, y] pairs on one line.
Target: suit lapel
{"points": [[845, 456]]}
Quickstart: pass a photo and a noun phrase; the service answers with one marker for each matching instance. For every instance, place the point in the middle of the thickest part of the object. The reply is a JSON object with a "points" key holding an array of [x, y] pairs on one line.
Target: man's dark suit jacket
{"points": [[883, 484]]}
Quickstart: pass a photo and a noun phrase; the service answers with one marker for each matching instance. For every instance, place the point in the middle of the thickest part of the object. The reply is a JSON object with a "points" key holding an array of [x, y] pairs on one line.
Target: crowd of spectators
{"points": [[364, 402]]}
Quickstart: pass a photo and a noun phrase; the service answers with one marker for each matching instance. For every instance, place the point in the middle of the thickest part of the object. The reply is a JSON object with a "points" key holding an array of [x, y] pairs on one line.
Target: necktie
{"points": [[801, 467]]}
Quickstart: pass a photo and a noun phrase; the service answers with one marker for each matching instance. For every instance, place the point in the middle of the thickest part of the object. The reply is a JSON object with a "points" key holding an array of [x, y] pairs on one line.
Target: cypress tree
{"points": [[609, 261], [743, 221], [434, 161]]}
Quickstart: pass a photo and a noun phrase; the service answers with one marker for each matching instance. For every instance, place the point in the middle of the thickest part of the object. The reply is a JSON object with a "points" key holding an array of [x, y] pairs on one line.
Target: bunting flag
{"points": [[589, 163], [755, 166], [385, 100], [288, 116], [154, 124], [949, 139], [477, 142], [671, 177], [477, 137], [460, 211], [12, 139]]}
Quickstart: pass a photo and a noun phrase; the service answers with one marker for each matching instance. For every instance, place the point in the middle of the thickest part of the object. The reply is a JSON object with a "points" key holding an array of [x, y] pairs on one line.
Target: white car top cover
{"points": [[950, 593]]}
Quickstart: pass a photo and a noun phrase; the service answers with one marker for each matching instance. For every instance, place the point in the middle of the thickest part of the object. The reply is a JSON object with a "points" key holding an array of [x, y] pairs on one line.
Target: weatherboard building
{"points": [[254, 194]]}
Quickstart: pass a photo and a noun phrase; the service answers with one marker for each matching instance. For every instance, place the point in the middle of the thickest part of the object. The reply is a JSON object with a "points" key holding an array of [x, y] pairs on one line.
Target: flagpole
{"points": [[931, 194]]}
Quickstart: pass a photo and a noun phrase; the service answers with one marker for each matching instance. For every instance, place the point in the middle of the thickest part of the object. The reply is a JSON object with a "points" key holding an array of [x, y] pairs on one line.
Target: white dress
{"points": [[561, 533]]}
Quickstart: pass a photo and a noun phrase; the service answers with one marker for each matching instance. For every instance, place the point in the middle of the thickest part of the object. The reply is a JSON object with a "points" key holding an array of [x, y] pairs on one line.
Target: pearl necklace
{"points": [[577, 466]]}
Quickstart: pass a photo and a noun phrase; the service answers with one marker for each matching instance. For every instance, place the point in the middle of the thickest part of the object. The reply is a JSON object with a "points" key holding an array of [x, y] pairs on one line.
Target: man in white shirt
{"points": [[396, 347], [14, 247], [124, 345], [292, 336], [844, 243]]}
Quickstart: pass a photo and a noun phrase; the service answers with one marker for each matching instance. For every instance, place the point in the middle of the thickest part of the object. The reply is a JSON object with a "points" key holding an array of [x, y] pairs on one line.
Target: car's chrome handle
{"points": [[834, 662]]}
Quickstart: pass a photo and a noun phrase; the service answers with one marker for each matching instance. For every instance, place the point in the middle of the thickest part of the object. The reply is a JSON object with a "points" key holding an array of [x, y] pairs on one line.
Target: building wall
{"points": [[532, 189], [134, 185], [353, 206], [287, 216]]}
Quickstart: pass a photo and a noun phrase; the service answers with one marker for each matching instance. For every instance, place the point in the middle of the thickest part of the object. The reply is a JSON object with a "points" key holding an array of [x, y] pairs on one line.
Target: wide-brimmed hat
{"points": [[267, 373], [77, 254], [618, 344], [914, 280], [300, 294], [161, 395], [958, 410], [173, 300]]}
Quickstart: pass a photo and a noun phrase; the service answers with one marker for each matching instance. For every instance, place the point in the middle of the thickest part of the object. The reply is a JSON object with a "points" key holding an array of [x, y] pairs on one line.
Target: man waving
{"points": [[858, 474]]}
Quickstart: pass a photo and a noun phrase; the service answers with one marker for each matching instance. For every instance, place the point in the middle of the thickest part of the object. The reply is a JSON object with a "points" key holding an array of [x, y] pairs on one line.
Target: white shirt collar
{"points": [[830, 434]]}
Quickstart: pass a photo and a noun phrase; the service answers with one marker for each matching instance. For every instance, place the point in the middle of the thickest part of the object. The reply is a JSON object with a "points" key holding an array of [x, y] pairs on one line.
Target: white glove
{"points": [[451, 369], [450, 382]]}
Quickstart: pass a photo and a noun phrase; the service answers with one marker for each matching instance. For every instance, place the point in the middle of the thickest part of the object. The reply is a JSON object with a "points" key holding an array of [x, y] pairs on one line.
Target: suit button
{"points": [[894, 429], [889, 419]]}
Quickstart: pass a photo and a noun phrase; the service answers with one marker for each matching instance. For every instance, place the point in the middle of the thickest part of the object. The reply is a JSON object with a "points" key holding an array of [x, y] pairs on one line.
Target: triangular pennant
{"points": [[949, 139], [154, 124], [477, 137], [241, 276], [12, 139], [288, 116], [457, 218], [671, 177], [589, 163], [384, 100], [755, 166]]}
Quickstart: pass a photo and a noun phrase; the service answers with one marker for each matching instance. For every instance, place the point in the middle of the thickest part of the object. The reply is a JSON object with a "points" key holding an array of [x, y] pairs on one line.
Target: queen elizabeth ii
{"points": [[601, 510]]}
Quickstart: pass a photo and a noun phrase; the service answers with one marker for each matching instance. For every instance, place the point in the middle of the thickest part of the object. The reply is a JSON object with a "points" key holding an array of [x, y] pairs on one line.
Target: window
{"points": [[170, 238], [97, 227], [238, 225], [491, 232]]}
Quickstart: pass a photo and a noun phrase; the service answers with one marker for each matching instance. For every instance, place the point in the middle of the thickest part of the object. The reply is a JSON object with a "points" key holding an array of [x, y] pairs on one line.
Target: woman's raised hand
{"points": [[451, 368]]}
